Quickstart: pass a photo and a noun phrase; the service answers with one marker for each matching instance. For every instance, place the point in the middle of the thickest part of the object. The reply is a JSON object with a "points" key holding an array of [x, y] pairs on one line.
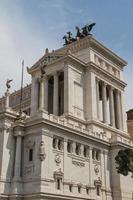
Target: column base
{"points": [[43, 113], [16, 185]]}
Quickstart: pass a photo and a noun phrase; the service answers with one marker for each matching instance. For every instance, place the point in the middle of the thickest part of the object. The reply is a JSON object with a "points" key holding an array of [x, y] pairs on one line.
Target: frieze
{"points": [[78, 163], [29, 169]]}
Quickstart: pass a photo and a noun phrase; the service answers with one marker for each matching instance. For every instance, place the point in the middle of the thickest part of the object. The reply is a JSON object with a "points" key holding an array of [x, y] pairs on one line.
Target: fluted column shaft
{"points": [[97, 96], [41, 98], [118, 110], [111, 107], [46, 93], [104, 102], [56, 94], [17, 169], [90, 167]]}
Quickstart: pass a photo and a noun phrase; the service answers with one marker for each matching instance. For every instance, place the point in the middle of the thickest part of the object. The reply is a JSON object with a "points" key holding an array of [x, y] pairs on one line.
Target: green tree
{"points": [[124, 161]]}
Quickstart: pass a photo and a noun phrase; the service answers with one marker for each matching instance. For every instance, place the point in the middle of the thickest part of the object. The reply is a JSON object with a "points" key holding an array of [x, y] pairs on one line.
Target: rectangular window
{"points": [[58, 184], [70, 188], [98, 190], [31, 155]]}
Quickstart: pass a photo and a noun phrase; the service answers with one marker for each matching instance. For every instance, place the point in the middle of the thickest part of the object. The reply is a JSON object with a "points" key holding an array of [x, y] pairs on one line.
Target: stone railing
{"points": [[124, 140], [82, 128], [76, 126]]}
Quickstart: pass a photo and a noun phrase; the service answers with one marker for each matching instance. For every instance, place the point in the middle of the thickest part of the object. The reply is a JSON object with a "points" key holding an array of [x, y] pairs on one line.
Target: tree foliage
{"points": [[124, 161]]}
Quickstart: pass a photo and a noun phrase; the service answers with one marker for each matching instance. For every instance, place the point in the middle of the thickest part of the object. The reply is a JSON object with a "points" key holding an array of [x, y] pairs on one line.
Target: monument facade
{"points": [[66, 148]]}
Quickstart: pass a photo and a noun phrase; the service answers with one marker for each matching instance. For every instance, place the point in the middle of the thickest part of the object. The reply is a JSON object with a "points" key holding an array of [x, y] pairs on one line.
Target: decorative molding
{"points": [[96, 169], [29, 169], [57, 159], [98, 182], [30, 144], [78, 163], [58, 174], [42, 154]]}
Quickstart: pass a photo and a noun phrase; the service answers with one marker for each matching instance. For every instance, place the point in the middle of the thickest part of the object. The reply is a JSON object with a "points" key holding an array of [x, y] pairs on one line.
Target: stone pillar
{"points": [[91, 181], [34, 96], [65, 89], [97, 96], [118, 110], [104, 102], [17, 166], [56, 95], [46, 93], [111, 107], [103, 172], [7, 95], [41, 97]]}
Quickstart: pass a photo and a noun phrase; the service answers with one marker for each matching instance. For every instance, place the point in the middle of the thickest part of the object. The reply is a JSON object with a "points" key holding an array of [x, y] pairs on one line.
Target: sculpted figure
{"points": [[68, 38], [42, 71], [8, 83], [79, 33]]}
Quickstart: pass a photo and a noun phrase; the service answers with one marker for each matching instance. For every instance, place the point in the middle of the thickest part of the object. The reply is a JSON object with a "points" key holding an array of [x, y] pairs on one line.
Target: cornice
{"points": [[106, 74], [66, 58], [66, 128], [6, 113], [109, 128], [108, 52], [87, 42]]}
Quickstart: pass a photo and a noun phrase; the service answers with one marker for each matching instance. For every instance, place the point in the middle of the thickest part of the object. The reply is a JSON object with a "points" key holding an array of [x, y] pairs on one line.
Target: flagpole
{"points": [[21, 92]]}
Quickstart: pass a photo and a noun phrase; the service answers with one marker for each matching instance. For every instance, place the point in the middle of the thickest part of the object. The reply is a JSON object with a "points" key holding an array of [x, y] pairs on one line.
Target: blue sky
{"points": [[27, 27]]}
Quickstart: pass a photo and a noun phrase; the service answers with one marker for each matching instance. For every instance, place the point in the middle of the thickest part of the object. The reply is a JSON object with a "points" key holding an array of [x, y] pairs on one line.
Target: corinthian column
{"points": [[18, 153], [45, 93], [104, 102], [41, 97], [56, 95], [111, 107], [97, 96], [118, 110]]}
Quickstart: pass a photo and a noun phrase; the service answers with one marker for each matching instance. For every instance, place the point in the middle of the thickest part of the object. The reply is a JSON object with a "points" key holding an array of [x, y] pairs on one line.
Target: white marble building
{"points": [[66, 148]]}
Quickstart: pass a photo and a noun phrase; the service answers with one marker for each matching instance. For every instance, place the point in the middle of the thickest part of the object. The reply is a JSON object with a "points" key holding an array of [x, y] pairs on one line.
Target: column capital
{"points": [[111, 87], [97, 79], [55, 73], [117, 91], [104, 84]]}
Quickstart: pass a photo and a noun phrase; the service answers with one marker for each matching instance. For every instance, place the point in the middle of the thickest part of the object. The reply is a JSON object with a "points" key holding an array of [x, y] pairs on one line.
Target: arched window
{"points": [[30, 155], [70, 188], [78, 149], [69, 147], [79, 188], [98, 190], [86, 151], [93, 154], [60, 144], [54, 142], [58, 181], [97, 155]]}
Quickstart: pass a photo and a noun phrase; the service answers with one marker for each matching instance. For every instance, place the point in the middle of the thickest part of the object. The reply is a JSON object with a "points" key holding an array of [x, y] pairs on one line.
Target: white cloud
{"points": [[18, 40]]}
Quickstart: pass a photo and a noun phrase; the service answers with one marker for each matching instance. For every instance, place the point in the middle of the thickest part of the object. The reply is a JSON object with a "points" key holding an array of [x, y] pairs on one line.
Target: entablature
{"points": [[106, 76]]}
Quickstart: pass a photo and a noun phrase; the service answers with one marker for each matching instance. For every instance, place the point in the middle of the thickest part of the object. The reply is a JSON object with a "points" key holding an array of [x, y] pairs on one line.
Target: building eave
{"points": [[109, 52], [64, 58], [119, 81]]}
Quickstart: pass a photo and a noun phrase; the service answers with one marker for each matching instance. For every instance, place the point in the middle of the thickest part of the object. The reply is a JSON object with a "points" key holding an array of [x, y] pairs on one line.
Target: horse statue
{"points": [[79, 33], [86, 29], [65, 37], [68, 38]]}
